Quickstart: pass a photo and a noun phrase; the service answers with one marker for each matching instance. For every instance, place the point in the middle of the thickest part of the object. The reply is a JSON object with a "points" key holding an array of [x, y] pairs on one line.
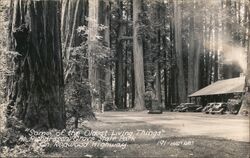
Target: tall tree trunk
{"points": [[132, 64], [36, 89], [198, 47], [3, 58], [138, 57], [166, 70], [246, 101], [216, 50], [108, 73], [105, 69], [158, 70], [221, 35], [248, 56], [119, 78], [126, 101], [246, 15], [191, 52], [132, 81], [94, 72], [172, 87], [4, 64], [179, 56], [158, 75], [228, 73], [211, 53]]}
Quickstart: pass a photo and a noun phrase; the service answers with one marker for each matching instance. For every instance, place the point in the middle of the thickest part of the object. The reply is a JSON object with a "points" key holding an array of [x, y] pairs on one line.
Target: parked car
{"points": [[199, 109], [219, 108], [207, 108], [190, 107], [178, 107]]}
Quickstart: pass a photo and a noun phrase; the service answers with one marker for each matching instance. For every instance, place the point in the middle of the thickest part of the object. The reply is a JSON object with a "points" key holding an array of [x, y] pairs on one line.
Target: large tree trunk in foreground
{"points": [[4, 5], [138, 57], [36, 89]]}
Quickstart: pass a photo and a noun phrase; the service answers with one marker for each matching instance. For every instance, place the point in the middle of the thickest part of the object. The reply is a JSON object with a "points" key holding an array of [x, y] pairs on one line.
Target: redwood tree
{"points": [[138, 57], [36, 88], [179, 51]]}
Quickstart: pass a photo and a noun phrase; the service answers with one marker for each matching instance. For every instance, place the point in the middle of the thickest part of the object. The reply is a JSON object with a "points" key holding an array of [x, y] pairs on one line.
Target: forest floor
{"points": [[166, 135]]}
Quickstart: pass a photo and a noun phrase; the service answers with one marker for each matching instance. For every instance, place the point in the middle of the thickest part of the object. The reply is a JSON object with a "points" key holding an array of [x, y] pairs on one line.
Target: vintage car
{"points": [[219, 108], [199, 109], [190, 107], [207, 108], [178, 107], [185, 107]]}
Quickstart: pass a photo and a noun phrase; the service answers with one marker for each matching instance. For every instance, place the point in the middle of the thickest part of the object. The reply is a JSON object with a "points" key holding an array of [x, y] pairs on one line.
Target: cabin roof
{"points": [[233, 85]]}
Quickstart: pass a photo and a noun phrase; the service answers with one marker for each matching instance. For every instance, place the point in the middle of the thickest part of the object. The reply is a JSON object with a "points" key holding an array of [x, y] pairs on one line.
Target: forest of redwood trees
{"points": [[69, 58]]}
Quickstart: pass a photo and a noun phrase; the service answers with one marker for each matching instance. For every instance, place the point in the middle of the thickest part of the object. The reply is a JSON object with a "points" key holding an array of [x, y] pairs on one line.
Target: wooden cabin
{"points": [[219, 91]]}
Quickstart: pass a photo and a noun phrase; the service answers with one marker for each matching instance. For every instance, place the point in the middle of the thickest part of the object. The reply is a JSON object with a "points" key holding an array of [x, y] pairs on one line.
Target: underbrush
{"points": [[18, 141]]}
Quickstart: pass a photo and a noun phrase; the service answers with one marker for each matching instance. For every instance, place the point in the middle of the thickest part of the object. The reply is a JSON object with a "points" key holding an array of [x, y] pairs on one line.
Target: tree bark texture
{"points": [[119, 71], [191, 51], [108, 71], [158, 66], [4, 4], [36, 89], [138, 57], [179, 56], [93, 71]]}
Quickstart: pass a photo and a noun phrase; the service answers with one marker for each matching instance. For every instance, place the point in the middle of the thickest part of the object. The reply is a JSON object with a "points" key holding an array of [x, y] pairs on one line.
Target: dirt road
{"points": [[185, 124], [165, 135]]}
